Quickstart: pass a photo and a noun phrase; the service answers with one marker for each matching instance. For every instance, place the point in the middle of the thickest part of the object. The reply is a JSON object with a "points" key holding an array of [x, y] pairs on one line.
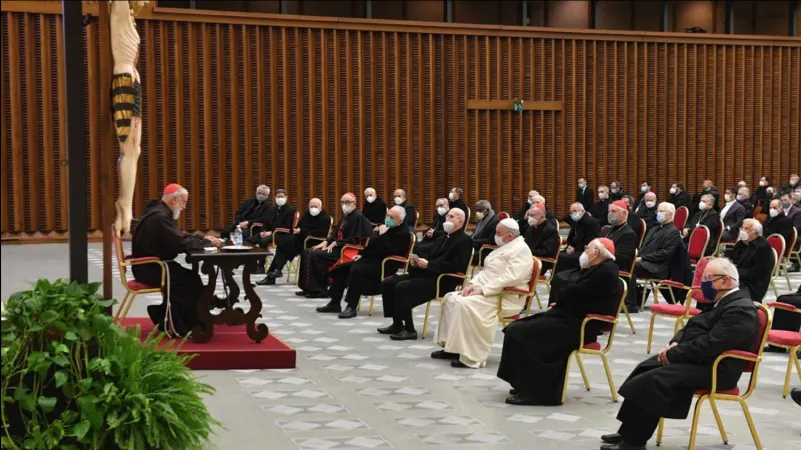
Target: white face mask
{"points": [[533, 222], [176, 213], [499, 241], [742, 236], [672, 190], [346, 209], [398, 200], [650, 204], [479, 215], [644, 189], [762, 183], [442, 210], [584, 261], [448, 227], [451, 197], [370, 199], [702, 206], [614, 190], [727, 197], [774, 212], [576, 216], [280, 201], [602, 195], [314, 211], [531, 201]]}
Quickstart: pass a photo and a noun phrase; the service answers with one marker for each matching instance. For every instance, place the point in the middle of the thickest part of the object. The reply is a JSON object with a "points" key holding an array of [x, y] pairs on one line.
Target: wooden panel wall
{"points": [[321, 107]]}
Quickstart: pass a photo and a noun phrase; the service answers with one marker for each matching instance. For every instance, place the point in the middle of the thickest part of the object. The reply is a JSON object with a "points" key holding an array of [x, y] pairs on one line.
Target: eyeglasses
{"points": [[347, 202], [713, 277]]}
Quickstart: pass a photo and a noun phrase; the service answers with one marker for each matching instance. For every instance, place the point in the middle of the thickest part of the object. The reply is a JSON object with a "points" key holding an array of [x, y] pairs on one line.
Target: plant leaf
{"points": [[70, 336], [48, 316], [81, 429], [46, 403], [106, 303], [61, 378]]}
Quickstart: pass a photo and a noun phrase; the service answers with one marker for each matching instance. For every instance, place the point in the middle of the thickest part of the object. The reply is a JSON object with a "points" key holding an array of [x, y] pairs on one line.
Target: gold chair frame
{"points": [[438, 296]]}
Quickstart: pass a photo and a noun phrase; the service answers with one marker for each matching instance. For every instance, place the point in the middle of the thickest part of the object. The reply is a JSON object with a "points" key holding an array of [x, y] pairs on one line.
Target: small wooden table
{"points": [[227, 261]]}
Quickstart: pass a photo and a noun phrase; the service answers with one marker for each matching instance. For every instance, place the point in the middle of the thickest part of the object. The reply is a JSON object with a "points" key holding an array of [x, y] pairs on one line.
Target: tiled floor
{"points": [[355, 389]]}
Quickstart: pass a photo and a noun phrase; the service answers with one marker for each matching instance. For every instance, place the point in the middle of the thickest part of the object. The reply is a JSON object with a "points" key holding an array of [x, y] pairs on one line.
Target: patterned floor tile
{"points": [[291, 410], [342, 443], [463, 438], [427, 405], [429, 421], [261, 381], [384, 392], [277, 395], [322, 425]]}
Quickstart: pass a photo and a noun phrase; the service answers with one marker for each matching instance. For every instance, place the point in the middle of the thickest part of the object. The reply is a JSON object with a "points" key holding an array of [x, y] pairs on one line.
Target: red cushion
{"points": [[667, 309], [139, 286], [515, 317], [735, 391], [593, 346], [784, 337], [543, 278]]}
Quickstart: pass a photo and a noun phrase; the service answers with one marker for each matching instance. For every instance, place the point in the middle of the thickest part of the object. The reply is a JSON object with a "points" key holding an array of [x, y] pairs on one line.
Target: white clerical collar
{"points": [[726, 295]]}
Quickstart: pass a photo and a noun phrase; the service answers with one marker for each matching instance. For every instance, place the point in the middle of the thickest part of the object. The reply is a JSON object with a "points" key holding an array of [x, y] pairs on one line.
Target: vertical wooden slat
{"points": [[223, 153], [432, 181], [4, 150], [164, 120], [615, 104], [777, 122], [324, 114], [194, 101], [409, 96], [261, 125], [32, 137], [180, 142], [398, 151], [375, 173], [208, 125], [274, 107], [93, 162], [455, 133], [348, 110], [47, 124], [361, 132], [300, 149], [234, 184], [62, 123], [312, 117], [107, 146], [385, 84], [151, 111], [761, 148], [337, 123], [247, 64], [684, 117], [286, 77], [420, 147]]}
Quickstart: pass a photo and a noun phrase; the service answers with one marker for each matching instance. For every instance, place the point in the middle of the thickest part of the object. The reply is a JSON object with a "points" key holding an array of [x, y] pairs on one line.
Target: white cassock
{"points": [[467, 323]]}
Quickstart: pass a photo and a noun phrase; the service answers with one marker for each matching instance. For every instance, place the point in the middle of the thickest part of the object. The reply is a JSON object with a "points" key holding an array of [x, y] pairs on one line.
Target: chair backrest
{"points": [[698, 242], [720, 234], [503, 215], [412, 240], [763, 314], [700, 266], [680, 217], [791, 245], [777, 242], [296, 219], [775, 263], [536, 267], [469, 213], [416, 219], [556, 224], [120, 256], [643, 229], [330, 225]]}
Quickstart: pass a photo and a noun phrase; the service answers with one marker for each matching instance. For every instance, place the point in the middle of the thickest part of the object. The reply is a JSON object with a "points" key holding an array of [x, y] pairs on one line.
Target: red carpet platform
{"points": [[231, 348]]}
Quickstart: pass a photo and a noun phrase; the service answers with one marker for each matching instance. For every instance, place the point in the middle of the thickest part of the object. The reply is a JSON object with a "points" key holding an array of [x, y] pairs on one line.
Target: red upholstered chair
{"points": [[594, 348], [676, 311], [680, 217], [754, 357], [503, 215], [536, 266], [293, 266], [627, 276], [440, 294], [785, 258], [562, 240], [133, 287], [698, 242], [777, 242], [482, 253], [791, 340], [271, 245], [401, 259], [723, 245], [795, 253]]}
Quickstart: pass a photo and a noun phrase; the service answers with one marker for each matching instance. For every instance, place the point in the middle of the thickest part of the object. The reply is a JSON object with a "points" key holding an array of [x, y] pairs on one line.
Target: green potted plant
{"points": [[71, 379]]}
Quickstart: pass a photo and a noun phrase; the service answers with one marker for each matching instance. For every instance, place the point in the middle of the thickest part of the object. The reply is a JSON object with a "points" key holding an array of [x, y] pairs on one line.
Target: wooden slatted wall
{"points": [[320, 108]]}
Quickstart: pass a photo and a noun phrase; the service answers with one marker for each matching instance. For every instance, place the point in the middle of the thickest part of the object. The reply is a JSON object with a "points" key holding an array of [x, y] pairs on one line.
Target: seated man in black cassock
{"points": [[374, 208], [484, 234], [352, 228], [621, 234], [399, 198], [253, 210], [753, 257], [401, 293], [663, 385], [435, 231], [536, 348], [779, 223], [314, 223], [456, 200], [362, 276], [656, 255], [708, 217], [583, 229], [633, 220], [600, 209], [521, 215], [646, 210], [541, 236], [281, 216], [157, 235]]}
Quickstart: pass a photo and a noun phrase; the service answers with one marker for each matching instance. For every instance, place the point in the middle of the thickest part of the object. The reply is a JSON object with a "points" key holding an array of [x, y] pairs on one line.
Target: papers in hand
{"points": [[209, 249]]}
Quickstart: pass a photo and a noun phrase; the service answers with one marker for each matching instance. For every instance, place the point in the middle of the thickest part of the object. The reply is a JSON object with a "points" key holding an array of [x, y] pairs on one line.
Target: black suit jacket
{"points": [[376, 211], [585, 197], [626, 243], [599, 211], [252, 211], [647, 214], [583, 232], [436, 226], [449, 254], [658, 249], [733, 219], [351, 229], [411, 215], [279, 217], [754, 261], [314, 226], [680, 199], [709, 219], [395, 242], [486, 236], [543, 240], [780, 224], [461, 205]]}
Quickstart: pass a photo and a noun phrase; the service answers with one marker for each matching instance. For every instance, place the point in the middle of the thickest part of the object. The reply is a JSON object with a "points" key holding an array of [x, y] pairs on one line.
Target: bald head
{"points": [[315, 203], [348, 198], [456, 217], [397, 214], [369, 192]]}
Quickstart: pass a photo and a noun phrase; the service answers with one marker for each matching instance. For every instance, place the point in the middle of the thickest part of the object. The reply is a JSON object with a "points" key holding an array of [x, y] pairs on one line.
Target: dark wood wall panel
{"points": [[321, 109]]}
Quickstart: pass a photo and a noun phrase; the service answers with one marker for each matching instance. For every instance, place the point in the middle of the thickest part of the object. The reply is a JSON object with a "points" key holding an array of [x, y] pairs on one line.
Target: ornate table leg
{"points": [[203, 333], [257, 332]]}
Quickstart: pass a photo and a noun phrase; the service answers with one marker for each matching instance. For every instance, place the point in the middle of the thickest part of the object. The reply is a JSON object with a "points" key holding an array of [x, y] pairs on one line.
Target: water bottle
{"points": [[238, 235]]}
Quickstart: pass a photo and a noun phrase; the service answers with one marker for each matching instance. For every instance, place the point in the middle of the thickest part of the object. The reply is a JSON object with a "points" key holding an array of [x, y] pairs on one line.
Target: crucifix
{"points": [[522, 105]]}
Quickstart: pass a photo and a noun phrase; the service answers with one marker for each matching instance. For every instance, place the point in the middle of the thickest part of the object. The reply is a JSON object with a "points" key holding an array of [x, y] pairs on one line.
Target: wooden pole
{"points": [[108, 151]]}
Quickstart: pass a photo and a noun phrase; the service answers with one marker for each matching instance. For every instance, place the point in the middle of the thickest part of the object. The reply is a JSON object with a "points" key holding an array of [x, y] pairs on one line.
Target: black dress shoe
{"points": [[795, 394], [392, 329], [329, 307], [613, 438], [259, 270], [512, 391], [404, 335], [442, 354], [633, 309], [301, 293], [275, 274], [321, 294], [459, 365], [622, 445], [774, 349], [348, 313], [519, 400], [266, 281]]}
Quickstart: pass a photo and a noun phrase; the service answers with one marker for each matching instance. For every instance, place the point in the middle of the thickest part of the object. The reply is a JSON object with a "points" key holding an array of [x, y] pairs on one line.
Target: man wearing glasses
{"points": [[315, 261], [663, 385]]}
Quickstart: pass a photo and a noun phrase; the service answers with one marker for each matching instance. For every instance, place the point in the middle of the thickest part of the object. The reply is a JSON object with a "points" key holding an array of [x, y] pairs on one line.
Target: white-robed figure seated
{"points": [[468, 318]]}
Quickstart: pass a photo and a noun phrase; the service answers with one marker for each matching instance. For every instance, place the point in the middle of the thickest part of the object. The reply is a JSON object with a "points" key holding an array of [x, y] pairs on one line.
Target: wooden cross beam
{"points": [[528, 105]]}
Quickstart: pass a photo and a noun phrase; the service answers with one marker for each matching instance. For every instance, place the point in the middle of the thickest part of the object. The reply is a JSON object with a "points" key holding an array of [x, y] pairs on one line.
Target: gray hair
{"points": [[745, 191], [484, 205], [369, 190], [755, 225], [179, 193], [443, 200], [727, 267], [401, 212], [316, 201], [580, 206], [708, 197], [539, 199], [597, 245], [652, 194], [534, 211], [670, 208], [263, 188]]}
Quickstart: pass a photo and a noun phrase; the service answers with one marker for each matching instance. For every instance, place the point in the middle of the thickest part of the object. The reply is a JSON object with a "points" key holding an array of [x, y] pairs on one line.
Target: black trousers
{"points": [[402, 293], [186, 288], [314, 266], [786, 320], [636, 424], [359, 279], [568, 262], [634, 296]]}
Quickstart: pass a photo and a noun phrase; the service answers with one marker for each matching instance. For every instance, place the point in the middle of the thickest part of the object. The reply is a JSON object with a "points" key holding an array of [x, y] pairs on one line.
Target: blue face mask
{"points": [[660, 217], [389, 222], [708, 290]]}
